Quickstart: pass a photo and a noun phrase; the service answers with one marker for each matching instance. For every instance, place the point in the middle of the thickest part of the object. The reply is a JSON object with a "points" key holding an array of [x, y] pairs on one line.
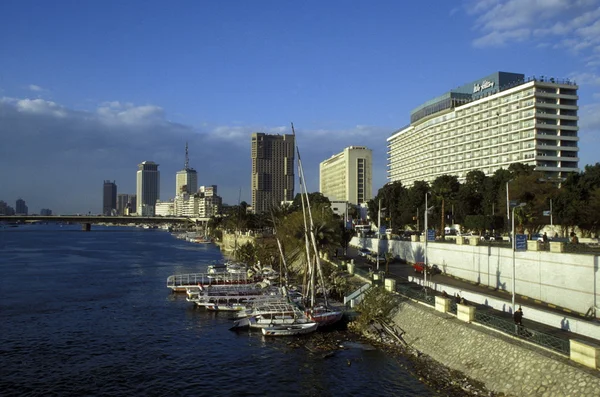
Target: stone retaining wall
{"points": [[502, 363]]}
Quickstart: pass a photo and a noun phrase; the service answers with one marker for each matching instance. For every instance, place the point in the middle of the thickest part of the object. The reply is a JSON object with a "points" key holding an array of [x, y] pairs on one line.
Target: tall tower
{"points": [[148, 188], [186, 180], [347, 176], [109, 198], [272, 170]]}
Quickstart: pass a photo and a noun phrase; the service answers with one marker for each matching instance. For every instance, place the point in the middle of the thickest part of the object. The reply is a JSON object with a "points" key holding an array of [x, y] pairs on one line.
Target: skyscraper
{"points": [[347, 176], [109, 198], [21, 207], [125, 203], [148, 188], [272, 170], [186, 180]]}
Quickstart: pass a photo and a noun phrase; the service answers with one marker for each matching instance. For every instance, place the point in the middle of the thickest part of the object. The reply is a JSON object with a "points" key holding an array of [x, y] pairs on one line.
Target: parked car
{"points": [[491, 237], [363, 252]]}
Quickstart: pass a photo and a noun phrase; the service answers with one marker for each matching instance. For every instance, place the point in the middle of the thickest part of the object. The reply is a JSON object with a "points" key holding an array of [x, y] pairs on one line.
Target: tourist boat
{"points": [[289, 330], [227, 307], [231, 298], [181, 282], [272, 313]]}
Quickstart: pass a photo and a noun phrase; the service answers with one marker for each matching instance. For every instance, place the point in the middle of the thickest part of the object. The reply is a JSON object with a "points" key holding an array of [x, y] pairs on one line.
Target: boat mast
{"points": [[312, 233]]}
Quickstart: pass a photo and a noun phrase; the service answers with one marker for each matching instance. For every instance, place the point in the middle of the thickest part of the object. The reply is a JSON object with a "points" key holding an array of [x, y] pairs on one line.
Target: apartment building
{"points": [[272, 179], [488, 124], [347, 176]]}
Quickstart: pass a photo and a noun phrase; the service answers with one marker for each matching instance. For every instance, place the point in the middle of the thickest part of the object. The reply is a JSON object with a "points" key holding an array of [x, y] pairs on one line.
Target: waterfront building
{"points": [[45, 212], [186, 180], [164, 208], [126, 203], [486, 125], [109, 198], [347, 176], [203, 204], [148, 188], [21, 207], [272, 179], [6, 209]]}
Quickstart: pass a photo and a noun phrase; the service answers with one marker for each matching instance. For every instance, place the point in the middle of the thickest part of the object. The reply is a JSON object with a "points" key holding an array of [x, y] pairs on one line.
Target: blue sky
{"points": [[89, 89]]}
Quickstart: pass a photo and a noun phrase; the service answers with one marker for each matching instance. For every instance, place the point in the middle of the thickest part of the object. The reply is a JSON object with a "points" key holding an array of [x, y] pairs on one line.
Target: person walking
{"points": [[518, 317]]}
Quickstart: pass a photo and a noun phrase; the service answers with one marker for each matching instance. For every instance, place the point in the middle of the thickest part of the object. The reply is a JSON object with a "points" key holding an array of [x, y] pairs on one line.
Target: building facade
{"points": [[272, 180], [186, 180], [109, 198], [148, 188], [203, 204], [348, 176], [21, 207], [164, 208], [126, 204], [6, 209], [46, 212], [489, 124]]}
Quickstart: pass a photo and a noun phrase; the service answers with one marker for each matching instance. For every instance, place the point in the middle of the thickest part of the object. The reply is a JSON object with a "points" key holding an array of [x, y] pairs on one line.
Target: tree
{"points": [[445, 188]]}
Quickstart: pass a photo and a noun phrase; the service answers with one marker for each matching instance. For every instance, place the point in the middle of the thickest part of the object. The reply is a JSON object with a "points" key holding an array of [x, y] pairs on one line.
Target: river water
{"points": [[88, 313]]}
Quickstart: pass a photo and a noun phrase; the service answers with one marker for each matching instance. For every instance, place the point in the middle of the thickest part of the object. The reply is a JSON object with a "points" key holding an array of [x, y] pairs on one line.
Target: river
{"points": [[88, 313]]}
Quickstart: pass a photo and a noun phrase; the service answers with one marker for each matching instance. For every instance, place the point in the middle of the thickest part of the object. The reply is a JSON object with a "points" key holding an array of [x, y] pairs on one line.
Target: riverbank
{"points": [[480, 361]]}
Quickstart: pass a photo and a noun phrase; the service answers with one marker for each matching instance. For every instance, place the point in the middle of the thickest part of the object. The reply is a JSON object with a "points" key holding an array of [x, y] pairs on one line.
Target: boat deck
{"points": [[181, 282]]}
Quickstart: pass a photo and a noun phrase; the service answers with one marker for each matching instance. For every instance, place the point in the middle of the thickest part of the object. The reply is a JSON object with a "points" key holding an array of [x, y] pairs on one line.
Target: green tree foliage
{"points": [[445, 189]]}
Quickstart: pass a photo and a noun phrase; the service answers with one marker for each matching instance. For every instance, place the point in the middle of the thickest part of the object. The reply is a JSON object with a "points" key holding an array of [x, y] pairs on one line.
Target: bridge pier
{"points": [[86, 227]]}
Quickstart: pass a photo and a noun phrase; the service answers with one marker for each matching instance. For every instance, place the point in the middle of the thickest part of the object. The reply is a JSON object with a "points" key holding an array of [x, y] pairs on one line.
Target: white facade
{"points": [[532, 121], [164, 208], [203, 204], [347, 176], [147, 188], [186, 181]]}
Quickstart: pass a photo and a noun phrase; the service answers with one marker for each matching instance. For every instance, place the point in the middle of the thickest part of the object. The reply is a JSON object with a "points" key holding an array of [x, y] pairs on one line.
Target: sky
{"points": [[90, 89]]}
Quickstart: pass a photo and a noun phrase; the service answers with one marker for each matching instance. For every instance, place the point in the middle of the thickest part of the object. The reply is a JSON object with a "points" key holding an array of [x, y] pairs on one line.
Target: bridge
{"points": [[87, 220]]}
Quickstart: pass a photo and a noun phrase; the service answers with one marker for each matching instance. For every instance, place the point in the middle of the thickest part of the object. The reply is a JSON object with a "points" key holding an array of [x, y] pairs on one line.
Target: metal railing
{"points": [[508, 327]]}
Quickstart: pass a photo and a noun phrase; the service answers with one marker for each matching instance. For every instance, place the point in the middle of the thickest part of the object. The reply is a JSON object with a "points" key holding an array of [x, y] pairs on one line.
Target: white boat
{"points": [[271, 314], [227, 307], [289, 330]]}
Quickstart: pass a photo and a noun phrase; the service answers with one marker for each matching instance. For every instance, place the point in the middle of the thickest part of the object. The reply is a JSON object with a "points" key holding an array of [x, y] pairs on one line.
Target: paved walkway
{"points": [[401, 272]]}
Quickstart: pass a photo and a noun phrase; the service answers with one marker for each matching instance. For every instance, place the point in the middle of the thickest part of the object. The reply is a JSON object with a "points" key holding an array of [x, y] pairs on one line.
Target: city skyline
{"points": [[212, 74]]}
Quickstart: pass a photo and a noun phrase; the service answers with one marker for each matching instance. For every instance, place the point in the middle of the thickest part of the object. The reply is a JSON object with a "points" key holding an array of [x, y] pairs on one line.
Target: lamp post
{"points": [[514, 248], [379, 232], [425, 259]]}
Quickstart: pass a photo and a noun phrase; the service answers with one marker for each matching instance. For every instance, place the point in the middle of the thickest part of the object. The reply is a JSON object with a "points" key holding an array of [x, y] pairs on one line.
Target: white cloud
{"points": [[35, 88], [500, 22], [60, 155]]}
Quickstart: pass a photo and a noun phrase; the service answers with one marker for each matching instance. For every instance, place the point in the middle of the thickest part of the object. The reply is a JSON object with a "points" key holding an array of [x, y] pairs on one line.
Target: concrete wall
{"points": [[503, 364], [562, 279]]}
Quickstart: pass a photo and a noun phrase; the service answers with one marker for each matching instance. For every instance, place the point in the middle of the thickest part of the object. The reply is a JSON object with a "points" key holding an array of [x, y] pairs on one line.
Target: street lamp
{"points": [[379, 231], [514, 248]]}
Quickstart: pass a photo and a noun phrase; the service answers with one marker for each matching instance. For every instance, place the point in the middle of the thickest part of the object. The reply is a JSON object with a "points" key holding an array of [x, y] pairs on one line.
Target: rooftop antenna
{"points": [[187, 159]]}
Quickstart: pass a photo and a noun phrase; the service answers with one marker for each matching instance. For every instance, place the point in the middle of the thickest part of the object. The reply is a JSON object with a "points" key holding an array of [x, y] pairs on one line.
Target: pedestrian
{"points": [[457, 298], [545, 238], [518, 316]]}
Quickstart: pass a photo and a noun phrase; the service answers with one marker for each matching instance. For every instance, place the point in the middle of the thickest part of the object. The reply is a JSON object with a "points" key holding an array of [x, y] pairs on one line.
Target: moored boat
{"points": [[289, 330]]}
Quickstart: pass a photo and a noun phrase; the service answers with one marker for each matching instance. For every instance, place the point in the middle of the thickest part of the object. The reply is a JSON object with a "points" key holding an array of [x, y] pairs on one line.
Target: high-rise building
{"points": [[109, 198], [486, 125], [6, 209], [203, 204], [272, 179], [21, 207], [347, 176], [186, 180], [126, 203], [46, 212], [148, 188]]}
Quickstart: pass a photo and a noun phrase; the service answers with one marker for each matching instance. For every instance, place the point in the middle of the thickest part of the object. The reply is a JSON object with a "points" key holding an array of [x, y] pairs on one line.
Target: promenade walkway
{"points": [[408, 280]]}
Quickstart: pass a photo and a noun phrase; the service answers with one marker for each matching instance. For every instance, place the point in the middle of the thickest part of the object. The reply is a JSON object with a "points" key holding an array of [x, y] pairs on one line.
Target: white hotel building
{"points": [[347, 176], [489, 124]]}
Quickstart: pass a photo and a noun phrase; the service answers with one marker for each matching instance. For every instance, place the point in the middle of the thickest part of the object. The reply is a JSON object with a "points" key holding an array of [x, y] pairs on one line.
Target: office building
{"points": [[46, 212], [186, 180], [272, 180], [203, 204], [347, 176], [164, 208], [21, 207], [126, 204], [148, 188], [109, 198], [6, 209], [488, 124]]}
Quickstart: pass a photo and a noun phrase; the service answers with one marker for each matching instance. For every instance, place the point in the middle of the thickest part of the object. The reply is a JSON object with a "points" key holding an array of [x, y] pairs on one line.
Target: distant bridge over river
{"points": [[87, 220]]}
